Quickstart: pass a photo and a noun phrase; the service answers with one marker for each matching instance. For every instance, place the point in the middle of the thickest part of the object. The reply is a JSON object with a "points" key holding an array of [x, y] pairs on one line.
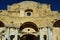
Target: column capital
{"points": [[41, 27], [48, 27]]}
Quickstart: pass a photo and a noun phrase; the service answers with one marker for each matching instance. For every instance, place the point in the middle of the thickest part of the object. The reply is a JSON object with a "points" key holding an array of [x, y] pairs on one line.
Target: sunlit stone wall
{"points": [[29, 11]]}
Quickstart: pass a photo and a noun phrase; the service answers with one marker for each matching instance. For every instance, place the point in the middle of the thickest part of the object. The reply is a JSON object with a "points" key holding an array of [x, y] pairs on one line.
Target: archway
{"points": [[2, 24], [28, 37], [57, 24], [29, 25]]}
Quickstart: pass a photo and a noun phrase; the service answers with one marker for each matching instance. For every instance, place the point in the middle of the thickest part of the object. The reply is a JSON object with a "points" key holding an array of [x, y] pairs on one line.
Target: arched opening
{"points": [[28, 12], [45, 37], [18, 37], [28, 37], [38, 37], [12, 37], [57, 24], [28, 25], [1, 24]]}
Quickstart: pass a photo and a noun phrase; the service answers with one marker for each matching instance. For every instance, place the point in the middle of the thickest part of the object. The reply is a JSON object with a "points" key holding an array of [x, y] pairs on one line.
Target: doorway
{"points": [[28, 37]]}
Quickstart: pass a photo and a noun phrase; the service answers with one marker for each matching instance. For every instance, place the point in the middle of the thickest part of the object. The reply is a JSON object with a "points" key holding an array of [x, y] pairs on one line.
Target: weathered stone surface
{"points": [[42, 16]]}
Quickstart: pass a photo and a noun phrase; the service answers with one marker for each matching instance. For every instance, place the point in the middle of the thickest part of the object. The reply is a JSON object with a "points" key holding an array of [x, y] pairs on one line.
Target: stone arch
{"points": [[28, 25], [28, 37], [2, 24], [57, 24]]}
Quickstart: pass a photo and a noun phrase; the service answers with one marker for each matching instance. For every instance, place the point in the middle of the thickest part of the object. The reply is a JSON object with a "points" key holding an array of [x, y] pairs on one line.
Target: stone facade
{"points": [[29, 19]]}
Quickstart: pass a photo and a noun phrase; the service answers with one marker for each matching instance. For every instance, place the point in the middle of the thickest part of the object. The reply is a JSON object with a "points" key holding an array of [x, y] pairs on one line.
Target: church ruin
{"points": [[29, 20]]}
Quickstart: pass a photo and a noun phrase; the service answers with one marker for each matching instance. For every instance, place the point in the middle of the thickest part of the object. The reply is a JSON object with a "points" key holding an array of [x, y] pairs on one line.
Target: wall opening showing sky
{"points": [[55, 4]]}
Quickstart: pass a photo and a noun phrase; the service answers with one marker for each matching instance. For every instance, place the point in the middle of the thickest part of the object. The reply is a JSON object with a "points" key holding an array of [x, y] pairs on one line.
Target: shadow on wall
{"points": [[28, 37], [2, 24], [57, 24], [29, 25]]}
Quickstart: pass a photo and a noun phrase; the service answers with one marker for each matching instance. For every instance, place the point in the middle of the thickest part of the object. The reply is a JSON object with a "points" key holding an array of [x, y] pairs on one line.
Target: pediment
{"points": [[27, 5], [39, 9]]}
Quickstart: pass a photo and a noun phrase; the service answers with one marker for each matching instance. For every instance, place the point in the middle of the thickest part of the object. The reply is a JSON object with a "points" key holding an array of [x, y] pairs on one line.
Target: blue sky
{"points": [[55, 4]]}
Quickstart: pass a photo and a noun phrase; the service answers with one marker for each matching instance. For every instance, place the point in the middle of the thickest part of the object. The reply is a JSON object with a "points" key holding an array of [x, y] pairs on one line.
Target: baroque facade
{"points": [[29, 20]]}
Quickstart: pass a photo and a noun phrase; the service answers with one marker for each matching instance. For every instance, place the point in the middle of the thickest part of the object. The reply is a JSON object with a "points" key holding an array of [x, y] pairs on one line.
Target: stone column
{"points": [[7, 34], [41, 34], [49, 33], [16, 34], [3, 38]]}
